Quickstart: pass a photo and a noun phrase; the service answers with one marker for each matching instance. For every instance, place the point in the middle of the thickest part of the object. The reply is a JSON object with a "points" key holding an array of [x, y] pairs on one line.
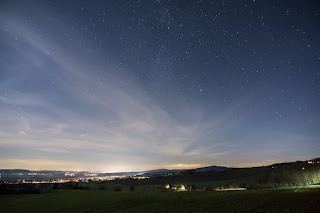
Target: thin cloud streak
{"points": [[79, 104]]}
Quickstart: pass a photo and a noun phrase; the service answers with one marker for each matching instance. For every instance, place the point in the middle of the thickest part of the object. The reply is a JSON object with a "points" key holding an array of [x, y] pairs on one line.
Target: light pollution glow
{"points": [[74, 97]]}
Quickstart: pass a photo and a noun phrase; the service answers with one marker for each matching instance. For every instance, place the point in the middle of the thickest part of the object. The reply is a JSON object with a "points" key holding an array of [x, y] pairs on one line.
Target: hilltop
{"points": [[275, 175]]}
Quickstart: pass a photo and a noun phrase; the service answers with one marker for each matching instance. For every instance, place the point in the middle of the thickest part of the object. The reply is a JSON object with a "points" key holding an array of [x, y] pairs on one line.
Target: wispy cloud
{"points": [[66, 98]]}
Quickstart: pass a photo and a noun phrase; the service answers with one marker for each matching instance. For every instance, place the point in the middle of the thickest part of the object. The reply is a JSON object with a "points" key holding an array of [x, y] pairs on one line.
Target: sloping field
{"points": [[262, 200]]}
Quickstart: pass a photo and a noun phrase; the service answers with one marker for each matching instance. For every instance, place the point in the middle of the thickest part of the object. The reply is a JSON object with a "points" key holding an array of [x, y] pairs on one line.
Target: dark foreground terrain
{"points": [[293, 199]]}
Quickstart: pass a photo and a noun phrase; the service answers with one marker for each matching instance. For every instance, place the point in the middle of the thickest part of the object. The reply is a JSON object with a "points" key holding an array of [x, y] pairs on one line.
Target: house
{"points": [[180, 188], [168, 186]]}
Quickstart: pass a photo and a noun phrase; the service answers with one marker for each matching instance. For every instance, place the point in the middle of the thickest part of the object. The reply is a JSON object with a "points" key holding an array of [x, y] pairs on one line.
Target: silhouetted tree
{"points": [[117, 189], [132, 187]]}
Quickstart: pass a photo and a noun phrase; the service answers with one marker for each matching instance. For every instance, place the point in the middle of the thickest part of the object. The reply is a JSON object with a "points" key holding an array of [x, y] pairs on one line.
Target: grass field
{"points": [[302, 199]]}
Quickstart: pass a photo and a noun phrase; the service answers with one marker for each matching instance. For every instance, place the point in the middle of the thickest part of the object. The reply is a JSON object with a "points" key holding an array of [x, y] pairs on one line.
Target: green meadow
{"points": [[289, 199]]}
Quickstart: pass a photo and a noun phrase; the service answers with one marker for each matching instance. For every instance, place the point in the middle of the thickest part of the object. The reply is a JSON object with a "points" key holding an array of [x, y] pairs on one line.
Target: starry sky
{"points": [[135, 85]]}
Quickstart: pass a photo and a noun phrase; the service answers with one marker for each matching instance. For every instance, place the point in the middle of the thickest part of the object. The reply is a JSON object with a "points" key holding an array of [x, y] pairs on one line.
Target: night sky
{"points": [[135, 85]]}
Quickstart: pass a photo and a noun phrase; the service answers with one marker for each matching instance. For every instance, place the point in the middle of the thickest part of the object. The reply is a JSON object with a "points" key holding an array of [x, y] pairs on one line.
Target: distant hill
{"points": [[275, 175], [279, 174], [211, 168]]}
